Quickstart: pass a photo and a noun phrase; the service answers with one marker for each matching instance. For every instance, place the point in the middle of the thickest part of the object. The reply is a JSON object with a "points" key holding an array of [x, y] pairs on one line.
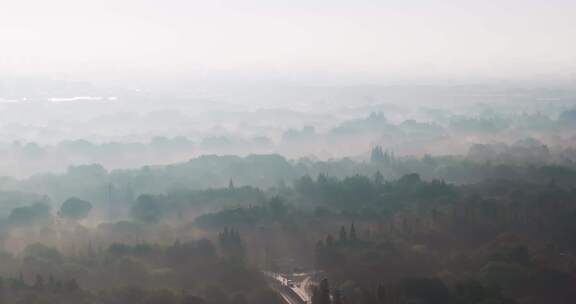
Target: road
{"points": [[288, 299], [293, 287]]}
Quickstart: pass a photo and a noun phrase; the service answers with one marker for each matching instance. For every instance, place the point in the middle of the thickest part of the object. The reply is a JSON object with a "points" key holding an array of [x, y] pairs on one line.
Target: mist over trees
{"points": [[287, 152], [127, 134], [431, 206], [489, 223], [250, 160]]}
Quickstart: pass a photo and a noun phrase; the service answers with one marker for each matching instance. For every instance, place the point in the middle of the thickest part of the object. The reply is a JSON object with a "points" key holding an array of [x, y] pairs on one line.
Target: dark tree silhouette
{"points": [[353, 236], [75, 209], [147, 209]]}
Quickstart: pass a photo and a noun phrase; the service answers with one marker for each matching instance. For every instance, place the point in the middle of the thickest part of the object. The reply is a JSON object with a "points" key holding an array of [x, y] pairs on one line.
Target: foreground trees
{"points": [[409, 240]]}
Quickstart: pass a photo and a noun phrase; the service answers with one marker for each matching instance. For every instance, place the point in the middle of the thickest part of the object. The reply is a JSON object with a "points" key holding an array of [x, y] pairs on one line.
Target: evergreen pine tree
{"points": [[353, 236]]}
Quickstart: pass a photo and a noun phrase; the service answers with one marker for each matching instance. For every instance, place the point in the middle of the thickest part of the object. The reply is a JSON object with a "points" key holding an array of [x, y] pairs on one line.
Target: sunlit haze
{"points": [[365, 40], [288, 151]]}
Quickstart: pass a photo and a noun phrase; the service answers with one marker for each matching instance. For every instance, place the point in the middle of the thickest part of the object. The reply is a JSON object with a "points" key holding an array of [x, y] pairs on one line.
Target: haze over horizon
{"points": [[163, 82], [296, 41]]}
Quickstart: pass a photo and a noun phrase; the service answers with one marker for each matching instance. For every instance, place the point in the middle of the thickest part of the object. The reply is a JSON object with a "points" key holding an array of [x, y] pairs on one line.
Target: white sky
{"points": [[404, 38]]}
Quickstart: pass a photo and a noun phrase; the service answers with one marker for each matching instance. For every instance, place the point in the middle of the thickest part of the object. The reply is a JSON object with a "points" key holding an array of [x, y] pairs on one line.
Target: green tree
{"points": [[147, 209], [35, 214], [75, 209], [231, 243]]}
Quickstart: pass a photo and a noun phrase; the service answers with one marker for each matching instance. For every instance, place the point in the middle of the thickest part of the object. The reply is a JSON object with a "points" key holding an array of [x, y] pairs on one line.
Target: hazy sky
{"points": [[392, 38]]}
